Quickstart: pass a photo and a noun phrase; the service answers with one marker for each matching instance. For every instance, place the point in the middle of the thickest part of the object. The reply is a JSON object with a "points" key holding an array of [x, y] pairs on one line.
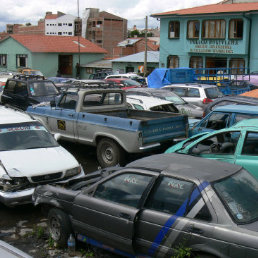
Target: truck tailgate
{"points": [[163, 129]]}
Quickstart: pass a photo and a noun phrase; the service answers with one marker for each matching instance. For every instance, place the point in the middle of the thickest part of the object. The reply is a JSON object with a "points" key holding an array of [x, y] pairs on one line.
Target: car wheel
{"points": [[59, 226], [109, 153]]}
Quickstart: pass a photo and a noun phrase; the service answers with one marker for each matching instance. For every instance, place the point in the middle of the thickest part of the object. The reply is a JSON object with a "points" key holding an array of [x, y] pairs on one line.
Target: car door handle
{"points": [[124, 216], [71, 115], [195, 230]]}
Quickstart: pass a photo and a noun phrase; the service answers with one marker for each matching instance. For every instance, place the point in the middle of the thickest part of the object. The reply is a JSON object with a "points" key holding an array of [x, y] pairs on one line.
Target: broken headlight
{"points": [[73, 172], [9, 184]]}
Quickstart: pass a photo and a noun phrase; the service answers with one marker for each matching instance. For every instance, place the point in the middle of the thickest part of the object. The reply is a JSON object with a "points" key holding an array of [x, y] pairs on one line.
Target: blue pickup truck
{"points": [[222, 117], [101, 118]]}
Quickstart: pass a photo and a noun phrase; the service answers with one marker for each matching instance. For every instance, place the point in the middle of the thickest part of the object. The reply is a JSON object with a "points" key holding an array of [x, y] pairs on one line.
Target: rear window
{"points": [[213, 93]]}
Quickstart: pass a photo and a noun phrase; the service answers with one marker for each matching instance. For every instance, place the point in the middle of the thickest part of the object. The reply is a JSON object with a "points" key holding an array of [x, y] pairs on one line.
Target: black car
{"points": [[230, 100], [22, 91], [156, 205]]}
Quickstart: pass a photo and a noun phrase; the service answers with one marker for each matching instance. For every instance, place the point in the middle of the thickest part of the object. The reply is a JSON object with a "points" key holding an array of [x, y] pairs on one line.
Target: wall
{"points": [[121, 67]]}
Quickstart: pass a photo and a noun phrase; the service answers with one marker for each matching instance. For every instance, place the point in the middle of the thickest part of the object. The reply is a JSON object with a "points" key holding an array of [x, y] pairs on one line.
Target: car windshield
{"points": [[131, 83], [25, 136], [169, 96], [164, 108], [213, 93], [240, 195], [42, 88]]}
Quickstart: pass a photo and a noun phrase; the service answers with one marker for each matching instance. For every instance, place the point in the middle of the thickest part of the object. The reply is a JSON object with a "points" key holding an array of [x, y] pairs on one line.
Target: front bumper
{"points": [[25, 196]]}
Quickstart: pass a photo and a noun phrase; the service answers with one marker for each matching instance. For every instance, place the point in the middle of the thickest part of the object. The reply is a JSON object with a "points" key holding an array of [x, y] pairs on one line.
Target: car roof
{"points": [[12, 116], [237, 109], [149, 90], [237, 99], [193, 85], [148, 101], [186, 167]]}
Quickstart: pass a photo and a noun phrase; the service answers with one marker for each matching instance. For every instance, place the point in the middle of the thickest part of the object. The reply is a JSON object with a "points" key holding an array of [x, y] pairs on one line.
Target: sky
{"points": [[135, 11]]}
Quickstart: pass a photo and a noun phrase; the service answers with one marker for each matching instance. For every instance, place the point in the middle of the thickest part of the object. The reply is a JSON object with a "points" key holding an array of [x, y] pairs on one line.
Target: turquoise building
{"points": [[49, 54], [223, 35]]}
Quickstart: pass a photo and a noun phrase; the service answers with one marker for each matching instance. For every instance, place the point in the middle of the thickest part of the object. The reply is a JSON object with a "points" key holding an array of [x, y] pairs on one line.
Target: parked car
{"points": [[22, 91], [28, 71], [150, 103], [237, 144], [100, 117], [99, 76], [123, 83], [230, 100], [61, 82], [29, 156], [194, 93], [222, 117], [154, 205], [131, 76], [185, 108]]}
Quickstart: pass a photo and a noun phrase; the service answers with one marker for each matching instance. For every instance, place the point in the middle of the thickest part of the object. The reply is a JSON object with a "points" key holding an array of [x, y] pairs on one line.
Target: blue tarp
{"points": [[157, 78]]}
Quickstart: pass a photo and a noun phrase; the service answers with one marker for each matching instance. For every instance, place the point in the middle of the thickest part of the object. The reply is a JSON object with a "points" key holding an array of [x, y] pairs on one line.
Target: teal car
{"points": [[237, 144]]}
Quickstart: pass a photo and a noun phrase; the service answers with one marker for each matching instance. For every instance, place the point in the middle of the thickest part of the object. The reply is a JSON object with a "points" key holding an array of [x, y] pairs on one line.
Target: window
{"points": [[21, 89], [3, 60], [59, 33], [124, 189], [217, 121], [70, 24], [173, 62], [180, 91], [236, 29], [98, 99], [69, 101], [10, 86], [193, 93], [174, 29], [59, 24], [169, 195], [193, 29], [240, 117], [69, 33], [21, 60], [237, 65], [221, 143], [196, 62], [250, 146], [213, 29]]}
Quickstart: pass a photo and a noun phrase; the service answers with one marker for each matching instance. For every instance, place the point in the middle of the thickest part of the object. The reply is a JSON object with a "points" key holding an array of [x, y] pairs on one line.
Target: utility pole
{"points": [[145, 52], [78, 66]]}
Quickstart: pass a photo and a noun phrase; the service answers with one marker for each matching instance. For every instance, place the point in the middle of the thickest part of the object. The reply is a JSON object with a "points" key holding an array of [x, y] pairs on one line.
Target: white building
{"points": [[63, 25]]}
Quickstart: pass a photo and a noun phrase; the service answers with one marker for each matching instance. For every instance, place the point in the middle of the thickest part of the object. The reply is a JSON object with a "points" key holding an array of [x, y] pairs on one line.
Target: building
{"points": [[104, 29], [135, 62], [132, 46], [48, 54], [61, 25], [210, 36]]}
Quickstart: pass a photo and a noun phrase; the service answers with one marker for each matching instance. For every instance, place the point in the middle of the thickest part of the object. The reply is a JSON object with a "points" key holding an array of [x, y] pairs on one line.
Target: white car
{"points": [[29, 156], [150, 103], [131, 76]]}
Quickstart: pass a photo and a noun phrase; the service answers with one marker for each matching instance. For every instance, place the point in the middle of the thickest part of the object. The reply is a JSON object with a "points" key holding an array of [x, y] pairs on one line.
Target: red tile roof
{"points": [[57, 44], [213, 8], [51, 16]]}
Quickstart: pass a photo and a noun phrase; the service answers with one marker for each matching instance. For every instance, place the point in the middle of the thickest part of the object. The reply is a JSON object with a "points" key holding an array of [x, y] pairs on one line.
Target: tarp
{"points": [[158, 78]]}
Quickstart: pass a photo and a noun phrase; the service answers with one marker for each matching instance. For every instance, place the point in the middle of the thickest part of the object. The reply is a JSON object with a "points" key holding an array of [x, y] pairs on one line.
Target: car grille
{"points": [[46, 178]]}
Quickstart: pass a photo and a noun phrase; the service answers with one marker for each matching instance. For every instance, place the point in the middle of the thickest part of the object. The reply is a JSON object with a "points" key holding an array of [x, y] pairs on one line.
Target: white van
{"points": [[29, 156]]}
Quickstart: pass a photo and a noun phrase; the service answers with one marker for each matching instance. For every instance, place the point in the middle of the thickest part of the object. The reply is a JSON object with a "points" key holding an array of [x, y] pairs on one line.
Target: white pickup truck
{"points": [[101, 117]]}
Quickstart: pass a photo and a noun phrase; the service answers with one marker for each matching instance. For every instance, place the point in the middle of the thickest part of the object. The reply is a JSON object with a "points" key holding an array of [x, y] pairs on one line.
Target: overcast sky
{"points": [[24, 11]]}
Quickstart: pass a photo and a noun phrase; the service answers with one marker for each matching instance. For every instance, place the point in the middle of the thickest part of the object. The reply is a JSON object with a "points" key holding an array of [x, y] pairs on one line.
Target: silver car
{"points": [[184, 107], [194, 93], [157, 206]]}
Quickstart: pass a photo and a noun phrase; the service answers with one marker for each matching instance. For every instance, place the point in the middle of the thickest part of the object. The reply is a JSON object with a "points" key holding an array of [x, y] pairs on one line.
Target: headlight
{"points": [[73, 171], [8, 184]]}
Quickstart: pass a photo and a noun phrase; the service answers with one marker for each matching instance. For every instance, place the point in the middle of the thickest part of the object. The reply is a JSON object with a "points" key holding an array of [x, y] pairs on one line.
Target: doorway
{"points": [[65, 65], [216, 62]]}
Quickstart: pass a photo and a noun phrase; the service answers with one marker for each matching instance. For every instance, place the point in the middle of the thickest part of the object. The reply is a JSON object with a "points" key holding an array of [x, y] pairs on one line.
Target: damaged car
{"points": [[30, 156], [153, 205]]}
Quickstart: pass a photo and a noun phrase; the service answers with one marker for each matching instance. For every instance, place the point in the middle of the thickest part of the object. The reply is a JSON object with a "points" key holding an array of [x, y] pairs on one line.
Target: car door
{"points": [[21, 97], [247, 155], [108, 216], [8, 93], [63, 118], [220, 146], [168, 218], [193, 96]]}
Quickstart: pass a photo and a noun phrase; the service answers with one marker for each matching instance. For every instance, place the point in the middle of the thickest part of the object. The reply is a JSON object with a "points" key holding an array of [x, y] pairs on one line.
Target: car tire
{"points": [[59, 226], [109, 153]]}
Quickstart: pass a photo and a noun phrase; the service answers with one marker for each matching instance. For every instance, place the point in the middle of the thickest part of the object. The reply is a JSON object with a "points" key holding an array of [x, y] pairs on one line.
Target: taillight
{"points": [[206, 101], [2, 84], [203, 114]]}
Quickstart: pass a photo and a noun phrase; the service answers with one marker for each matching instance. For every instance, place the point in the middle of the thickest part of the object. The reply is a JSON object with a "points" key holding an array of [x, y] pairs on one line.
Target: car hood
{"points": [[27, 163], [191, 110]]}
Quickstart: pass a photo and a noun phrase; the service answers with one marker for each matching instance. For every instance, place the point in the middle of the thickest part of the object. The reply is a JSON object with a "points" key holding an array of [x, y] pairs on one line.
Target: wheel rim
{"points": [[55, 228], [108, 154]]}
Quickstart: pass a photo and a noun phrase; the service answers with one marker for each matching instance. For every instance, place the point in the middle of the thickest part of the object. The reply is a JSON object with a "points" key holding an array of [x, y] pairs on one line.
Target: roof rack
{"points": [[96, 85], [26, 77]]}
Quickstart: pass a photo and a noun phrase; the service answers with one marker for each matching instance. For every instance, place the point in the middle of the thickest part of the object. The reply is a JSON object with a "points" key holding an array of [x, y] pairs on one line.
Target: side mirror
{"points": [[57, 136], [52, 103]]}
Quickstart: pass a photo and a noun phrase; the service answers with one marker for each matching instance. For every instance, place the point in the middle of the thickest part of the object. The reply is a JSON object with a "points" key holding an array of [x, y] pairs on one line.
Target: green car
{"points": [[237, 144]]}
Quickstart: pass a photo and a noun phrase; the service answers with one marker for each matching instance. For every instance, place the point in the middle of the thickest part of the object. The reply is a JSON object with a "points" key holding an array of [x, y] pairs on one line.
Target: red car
{"points": [[124, 83]]}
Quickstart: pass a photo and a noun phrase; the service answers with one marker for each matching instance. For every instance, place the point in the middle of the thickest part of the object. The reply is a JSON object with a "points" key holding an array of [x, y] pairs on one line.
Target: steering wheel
{"points": [[215, 147]]}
